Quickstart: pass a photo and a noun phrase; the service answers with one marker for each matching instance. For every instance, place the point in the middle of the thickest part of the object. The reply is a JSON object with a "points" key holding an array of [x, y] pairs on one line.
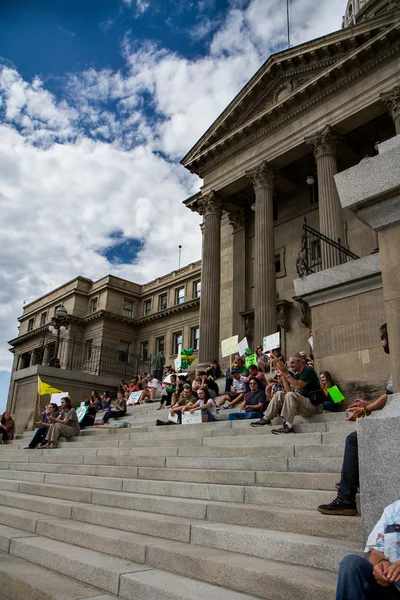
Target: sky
{"points": [[99, 101]]}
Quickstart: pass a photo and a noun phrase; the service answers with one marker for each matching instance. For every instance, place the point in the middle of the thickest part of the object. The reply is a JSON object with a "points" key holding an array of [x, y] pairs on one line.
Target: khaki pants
{"points": [[57, 430], [290, 404]]}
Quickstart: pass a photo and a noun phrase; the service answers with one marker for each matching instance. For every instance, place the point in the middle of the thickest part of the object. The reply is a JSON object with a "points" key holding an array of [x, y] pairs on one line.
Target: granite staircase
{"points": [[213, 512]]}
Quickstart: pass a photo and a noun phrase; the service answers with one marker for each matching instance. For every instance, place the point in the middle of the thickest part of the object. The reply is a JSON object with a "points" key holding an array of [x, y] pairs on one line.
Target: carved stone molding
{"points": [[283, 308], [238, 219], [262, 176], [392, 102], [323, 142], [209, 204]]}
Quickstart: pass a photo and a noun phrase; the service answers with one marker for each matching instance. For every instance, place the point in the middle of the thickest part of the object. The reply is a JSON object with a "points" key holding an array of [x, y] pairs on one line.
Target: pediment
{"points": [[280, 78]]}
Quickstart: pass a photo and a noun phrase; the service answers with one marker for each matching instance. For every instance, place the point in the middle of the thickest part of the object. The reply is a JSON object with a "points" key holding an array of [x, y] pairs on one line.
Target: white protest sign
{"points": [[177, 363], [173, 418], [56, 398], [190, 419], [134, 398], [311, 342], [272, 342], [243, 345], [229, 346]]}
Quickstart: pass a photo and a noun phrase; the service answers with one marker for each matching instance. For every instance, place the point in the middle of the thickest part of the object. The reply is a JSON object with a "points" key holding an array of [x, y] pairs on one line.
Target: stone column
{"points": [[392, 102], [264, 254], [210, 206], [238, 223], [324, 145]]}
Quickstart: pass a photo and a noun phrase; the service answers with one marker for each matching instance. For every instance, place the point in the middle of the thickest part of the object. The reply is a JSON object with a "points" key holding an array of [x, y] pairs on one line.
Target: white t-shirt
{"points": [[154, 383], [212, 408], [238, 384]]}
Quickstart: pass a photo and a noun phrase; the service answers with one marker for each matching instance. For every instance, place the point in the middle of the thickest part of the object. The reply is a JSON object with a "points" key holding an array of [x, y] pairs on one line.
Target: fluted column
{"points": [[210, 207], [264, 254], [324, 145], [392, 103], [238, 222]]}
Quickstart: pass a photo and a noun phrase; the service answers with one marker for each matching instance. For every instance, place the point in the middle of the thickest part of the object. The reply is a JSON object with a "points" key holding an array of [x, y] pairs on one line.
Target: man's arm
{"points": [[359, 407]]}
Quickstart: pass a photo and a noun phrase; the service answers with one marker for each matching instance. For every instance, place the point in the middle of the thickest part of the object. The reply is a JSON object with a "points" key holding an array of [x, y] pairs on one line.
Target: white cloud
{"points": [[104, 158]]}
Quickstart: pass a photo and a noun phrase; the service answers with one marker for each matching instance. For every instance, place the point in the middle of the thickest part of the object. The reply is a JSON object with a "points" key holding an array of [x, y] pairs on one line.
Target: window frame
{"points": [[31, 324], [94, 303], [195, 341], [175, 344], [178, 298], [146, 303], [144, 349], [43, 318], [160, 297], [127, 310], [89, 349], [123, 355], [160, 346], [195, 284]]}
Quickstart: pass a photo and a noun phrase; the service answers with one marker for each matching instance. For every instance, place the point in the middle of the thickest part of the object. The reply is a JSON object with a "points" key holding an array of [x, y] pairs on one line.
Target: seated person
{"points": [[88, 419], [275, 356], [327, 382], [96, 398], [105, 400], [122, 386], [253, 404], [293, 400], [274, 385], [205, 403], [254, 372], [182, 379], [133, 384], [51, 410], [228, 378], [186, 399], [237, 394], [214, 369], [377, 578], [66, 424], [204, 379], [154, 387], [345, 502], [262, 359], [117, 412], [166, 396], [7, 426]]}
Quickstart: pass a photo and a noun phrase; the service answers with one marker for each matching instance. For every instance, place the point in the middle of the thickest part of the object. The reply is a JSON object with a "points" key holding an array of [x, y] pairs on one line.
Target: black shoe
{"points": [[337, 507], [260, 423], [284, 429]]}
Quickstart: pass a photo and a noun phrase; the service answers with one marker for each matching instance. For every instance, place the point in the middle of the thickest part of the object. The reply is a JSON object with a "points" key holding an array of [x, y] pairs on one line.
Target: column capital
{"points": [[323, 142], [262, 176], [392, 102], [209, 204], [238, 219]]}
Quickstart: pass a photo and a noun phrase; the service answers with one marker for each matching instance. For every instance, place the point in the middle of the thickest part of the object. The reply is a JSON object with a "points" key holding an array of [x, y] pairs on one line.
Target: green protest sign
{"points": [[335, 394], [251, 360]]}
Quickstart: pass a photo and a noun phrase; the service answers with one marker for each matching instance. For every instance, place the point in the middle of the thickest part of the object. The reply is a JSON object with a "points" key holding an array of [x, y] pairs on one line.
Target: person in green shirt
{"points": [[241, 367], [294, 400]]}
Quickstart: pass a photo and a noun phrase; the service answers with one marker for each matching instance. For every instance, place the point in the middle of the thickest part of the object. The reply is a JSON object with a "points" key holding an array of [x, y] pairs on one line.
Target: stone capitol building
{"points": [[279, 251]]}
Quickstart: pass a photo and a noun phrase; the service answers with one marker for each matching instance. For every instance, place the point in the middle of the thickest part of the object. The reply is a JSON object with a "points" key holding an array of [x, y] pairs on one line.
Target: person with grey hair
{"points": [[302, 395]]}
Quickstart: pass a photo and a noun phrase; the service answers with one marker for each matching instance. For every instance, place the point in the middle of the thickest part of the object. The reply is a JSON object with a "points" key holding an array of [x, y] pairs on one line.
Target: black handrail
{"points": [[314, 245]]}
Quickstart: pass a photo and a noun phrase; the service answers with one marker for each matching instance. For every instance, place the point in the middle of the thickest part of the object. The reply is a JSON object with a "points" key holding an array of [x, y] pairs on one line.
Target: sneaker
{"points": [[226, 406], [337, 507], [260, 423], [284, 429]]}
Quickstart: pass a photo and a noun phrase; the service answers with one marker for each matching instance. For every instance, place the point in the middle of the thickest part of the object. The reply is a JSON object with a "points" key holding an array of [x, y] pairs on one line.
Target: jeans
{"points": [[206, 411], [249, 414], [39, 437], [356, 582], [228, 381], [331, 406], [115, 414], [349, 479]]}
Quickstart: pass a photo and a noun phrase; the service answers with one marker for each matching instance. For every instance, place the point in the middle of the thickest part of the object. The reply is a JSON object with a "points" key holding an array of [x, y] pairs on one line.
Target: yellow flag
{"points": [[45, 388]]}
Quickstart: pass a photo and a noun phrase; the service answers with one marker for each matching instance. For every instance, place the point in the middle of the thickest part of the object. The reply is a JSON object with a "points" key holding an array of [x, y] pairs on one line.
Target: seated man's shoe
{"points": [[282, 430], [260, 423], [337, 507]]}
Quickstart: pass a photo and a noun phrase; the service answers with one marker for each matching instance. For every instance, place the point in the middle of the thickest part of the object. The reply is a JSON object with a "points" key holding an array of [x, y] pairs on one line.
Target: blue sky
{"points": [[99, 101]]}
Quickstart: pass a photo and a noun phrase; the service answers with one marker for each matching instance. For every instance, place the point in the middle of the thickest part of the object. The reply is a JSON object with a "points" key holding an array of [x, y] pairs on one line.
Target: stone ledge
{"points": [[342, 281]]}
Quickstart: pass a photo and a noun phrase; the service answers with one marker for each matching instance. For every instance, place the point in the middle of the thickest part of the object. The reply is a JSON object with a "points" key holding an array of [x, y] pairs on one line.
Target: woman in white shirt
{"points": [[204, 403]]}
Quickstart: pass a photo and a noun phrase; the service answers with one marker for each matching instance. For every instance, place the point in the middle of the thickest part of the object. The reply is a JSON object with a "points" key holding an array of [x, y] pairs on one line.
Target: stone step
{"points": [[23, 580], [313, 465], [238, 572], [156, 508]]}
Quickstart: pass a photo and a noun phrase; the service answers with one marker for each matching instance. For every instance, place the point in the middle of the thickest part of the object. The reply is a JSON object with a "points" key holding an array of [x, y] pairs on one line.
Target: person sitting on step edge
{"points": [[237, 394], [345, 502], [253, 404], [294, 399]]}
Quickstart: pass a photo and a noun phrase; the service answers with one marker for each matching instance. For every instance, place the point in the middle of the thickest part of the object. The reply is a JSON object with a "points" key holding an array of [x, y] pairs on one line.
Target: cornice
{"points": [[105, 314], [169, 311], [308, 88]]}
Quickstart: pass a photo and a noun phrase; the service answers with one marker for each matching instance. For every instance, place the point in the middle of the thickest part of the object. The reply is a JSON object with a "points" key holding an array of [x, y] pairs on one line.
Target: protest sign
{"points": [[81, 412], [335, 394], [243, 345], [272, 342], [251, 360], [229, 346], [134, 398], [189, 419], [311, 342], [56, 398]]}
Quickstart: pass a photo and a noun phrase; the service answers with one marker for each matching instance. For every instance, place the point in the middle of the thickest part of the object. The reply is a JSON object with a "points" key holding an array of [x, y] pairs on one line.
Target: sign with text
{"points": [[177, 363], [134, 398], [190, 419], [81, 412], [251, 360], [243, 345], [229, 346], [272, 342]]}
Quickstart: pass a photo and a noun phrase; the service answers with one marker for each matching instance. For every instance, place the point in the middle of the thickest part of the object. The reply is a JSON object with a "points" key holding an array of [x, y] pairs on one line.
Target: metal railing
{"points": [[95, 360], [318, 252]]}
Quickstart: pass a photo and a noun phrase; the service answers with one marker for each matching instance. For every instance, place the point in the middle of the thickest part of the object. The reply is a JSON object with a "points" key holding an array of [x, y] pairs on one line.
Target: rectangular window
{"points": [[147, 307], [123, 351], [31, 324], [43, 319], [280, 269], [180, 295], [176, 342], [93, 305], [195, 337], [162, 302], [197, 289], [89, 349], [128, 308], [159, 344], [145, 350]]}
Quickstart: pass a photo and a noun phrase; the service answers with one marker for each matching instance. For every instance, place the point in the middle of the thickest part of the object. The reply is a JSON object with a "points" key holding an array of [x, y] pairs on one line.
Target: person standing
{"points": [[158, 365]]}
